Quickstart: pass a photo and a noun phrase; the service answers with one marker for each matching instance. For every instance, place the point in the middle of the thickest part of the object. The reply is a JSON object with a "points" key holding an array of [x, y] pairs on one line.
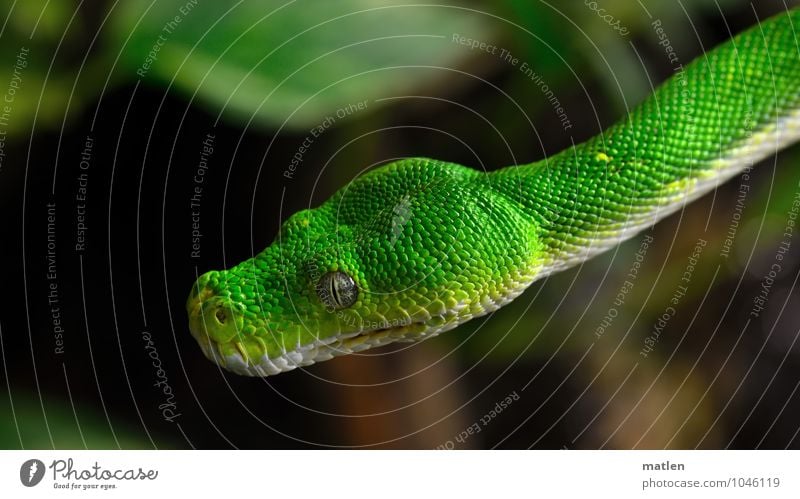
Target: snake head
{"points": [[400, 254]]}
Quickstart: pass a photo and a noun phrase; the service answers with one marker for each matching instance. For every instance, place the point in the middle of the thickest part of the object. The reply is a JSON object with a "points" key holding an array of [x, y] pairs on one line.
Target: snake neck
{"points": [[710, 121]]}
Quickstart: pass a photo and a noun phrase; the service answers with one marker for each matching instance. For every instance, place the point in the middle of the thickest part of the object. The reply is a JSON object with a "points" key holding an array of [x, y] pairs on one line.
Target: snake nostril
{"points": [[220, 315]]}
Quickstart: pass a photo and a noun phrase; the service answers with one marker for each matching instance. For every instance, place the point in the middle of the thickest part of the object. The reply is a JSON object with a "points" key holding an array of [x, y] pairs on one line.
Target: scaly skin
{"points": [[430, 245]]}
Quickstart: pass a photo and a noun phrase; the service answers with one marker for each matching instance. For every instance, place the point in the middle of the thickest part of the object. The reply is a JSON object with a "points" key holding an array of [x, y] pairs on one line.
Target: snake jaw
{"points": [[240, 362]]}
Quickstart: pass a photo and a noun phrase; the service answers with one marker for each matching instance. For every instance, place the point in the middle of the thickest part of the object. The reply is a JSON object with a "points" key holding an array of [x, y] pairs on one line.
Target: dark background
{"points": [[709, 383]]}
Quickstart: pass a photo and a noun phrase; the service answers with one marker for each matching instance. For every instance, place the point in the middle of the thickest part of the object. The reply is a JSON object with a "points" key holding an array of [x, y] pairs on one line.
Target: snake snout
{"points": [[212, 317]]}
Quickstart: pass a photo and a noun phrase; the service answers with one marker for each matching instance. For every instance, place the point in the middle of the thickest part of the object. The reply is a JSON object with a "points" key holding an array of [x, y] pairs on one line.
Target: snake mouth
{"points": [[219, 328], [240, 362]]}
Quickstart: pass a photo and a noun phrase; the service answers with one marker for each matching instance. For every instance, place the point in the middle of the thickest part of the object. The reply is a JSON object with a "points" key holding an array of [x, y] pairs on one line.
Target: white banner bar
{"points": [[400, 474]]}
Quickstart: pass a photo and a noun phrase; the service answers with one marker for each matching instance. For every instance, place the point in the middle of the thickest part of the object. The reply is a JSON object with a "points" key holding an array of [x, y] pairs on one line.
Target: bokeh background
{"points": [[112, 102]]}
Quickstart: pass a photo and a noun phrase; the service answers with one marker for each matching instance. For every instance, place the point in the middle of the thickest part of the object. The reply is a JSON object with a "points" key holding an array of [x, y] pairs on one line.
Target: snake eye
{"points": [[337, 290]]}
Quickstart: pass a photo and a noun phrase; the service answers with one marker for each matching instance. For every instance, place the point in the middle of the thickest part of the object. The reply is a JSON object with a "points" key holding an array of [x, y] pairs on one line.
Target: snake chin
{"points": [[323, 349]]}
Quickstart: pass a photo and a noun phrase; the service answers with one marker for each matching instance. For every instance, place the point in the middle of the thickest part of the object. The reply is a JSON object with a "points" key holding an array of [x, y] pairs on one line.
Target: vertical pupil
{"points": [[334, 284], [337, 290]]}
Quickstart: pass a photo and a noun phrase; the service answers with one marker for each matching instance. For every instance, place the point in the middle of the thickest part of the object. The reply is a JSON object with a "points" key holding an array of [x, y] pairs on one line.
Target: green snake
{"points": [[418, 246]]}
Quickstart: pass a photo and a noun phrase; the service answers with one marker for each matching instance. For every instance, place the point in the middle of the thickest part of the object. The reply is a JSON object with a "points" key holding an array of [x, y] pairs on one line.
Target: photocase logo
{"points": [[31, 472]]}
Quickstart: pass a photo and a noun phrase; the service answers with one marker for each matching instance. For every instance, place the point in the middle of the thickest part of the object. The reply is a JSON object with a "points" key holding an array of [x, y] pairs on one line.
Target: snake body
{"points": [[419, 246]]}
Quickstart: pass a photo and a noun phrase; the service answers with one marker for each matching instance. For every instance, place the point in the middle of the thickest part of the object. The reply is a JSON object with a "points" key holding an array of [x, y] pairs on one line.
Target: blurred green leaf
{"points": [[38, 53], [40, 18], [26, 427], [266, 59]]}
